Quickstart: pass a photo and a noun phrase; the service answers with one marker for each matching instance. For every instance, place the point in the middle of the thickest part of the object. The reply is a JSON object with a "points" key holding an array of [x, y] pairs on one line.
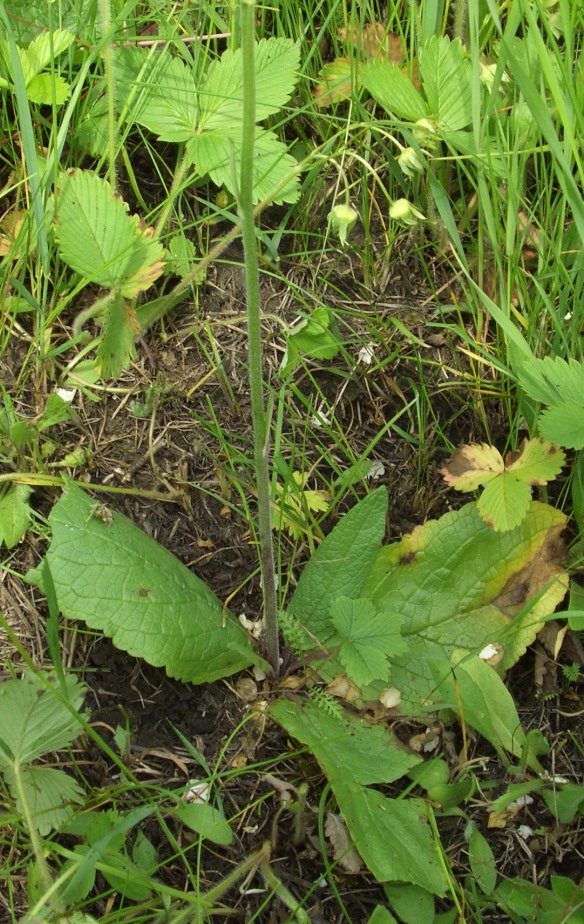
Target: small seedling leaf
{"points": [[205, 820], [112, 576], [100, 241], [472, 466], [393, 90], [482, 862], [447, 80], [15, 514]]}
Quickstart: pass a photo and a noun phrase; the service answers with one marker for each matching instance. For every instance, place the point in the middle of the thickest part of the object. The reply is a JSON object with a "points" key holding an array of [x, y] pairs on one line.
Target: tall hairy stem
{"points": [[254, 337]]}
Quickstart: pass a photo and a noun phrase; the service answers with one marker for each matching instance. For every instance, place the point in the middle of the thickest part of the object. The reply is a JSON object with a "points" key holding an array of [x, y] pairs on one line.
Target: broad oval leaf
{"points": [[393, 90], [112, 576]]}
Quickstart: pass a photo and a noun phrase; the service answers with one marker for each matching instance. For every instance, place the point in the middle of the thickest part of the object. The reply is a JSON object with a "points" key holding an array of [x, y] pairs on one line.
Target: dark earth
{"points": [[174, 449]]}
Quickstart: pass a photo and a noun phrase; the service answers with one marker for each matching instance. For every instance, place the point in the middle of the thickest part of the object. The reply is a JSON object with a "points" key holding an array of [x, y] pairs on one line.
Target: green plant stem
{"points": [[35, 841], [254, 337], [105, 10]]}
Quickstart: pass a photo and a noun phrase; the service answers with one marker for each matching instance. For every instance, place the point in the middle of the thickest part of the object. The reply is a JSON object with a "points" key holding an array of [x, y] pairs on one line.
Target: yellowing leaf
{"points": [[293, 507], [335, 83], [472, 466]]}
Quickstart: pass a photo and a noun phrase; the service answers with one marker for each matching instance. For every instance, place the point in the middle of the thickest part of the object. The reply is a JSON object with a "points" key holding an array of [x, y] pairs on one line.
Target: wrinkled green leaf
{"points": [[115, 578], [366, 754], [459, 585], [392, 836]]}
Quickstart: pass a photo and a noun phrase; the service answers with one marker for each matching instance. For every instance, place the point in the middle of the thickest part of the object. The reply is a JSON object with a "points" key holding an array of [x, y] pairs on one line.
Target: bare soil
{"points": [[201, 518]]}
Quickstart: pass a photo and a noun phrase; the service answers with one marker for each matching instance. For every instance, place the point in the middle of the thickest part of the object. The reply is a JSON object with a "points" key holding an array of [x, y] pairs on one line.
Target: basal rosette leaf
{"points": [[112, 576], [353, 755], [457, 584], [100, 241]]}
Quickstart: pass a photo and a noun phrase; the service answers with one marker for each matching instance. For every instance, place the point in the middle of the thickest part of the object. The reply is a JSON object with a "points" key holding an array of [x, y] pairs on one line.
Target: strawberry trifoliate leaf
{"points": [[553, 380], [564, 423], [536, 462], [100, 241], [504, 502], [472, 466], [218, 153], [156, 90], [221, 97], [368, 638]]}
